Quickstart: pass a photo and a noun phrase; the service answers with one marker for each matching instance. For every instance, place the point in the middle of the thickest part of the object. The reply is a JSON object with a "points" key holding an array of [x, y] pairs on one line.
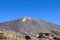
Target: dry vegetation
{"points": [[11, 35]]}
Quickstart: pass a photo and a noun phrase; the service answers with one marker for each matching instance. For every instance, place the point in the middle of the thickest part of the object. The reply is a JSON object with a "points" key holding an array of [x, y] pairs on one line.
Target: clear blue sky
{"points": [[48, 10]]}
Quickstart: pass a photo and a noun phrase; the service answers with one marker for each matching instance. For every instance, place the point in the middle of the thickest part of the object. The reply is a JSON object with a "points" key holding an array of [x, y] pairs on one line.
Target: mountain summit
{"points": [[26, 18], [29, 26]]}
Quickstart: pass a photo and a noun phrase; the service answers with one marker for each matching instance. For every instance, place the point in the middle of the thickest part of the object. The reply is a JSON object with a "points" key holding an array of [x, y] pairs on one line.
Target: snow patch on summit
{"points": [[26, 18]]}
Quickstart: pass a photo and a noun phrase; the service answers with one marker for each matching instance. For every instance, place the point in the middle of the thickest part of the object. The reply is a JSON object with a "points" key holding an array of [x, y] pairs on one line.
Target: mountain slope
{"points": [[27, 26]]}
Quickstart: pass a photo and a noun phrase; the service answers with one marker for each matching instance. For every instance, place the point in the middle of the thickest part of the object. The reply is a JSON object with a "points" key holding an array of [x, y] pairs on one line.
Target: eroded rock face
{"points": [[53, 35]]}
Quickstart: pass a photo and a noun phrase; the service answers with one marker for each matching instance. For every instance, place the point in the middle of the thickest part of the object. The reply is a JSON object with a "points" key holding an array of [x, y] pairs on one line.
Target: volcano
{"points": [[29, 26]]}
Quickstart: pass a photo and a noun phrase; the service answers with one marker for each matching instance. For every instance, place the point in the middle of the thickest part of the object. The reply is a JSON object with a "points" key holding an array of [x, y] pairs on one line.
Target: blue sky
{"points": [[48, 10]]}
